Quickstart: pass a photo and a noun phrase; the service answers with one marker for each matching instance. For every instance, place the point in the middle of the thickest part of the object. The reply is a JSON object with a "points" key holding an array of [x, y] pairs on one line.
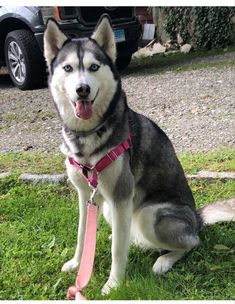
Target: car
{"points": [[22, 28]]}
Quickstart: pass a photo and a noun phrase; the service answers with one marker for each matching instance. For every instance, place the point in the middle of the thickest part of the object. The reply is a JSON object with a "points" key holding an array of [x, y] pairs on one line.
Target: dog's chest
{"points": [[85, 150]]}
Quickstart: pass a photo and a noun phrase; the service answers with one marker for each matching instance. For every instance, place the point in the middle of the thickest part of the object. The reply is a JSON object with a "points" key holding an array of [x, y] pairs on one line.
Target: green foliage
{"points": [[203, 27]]}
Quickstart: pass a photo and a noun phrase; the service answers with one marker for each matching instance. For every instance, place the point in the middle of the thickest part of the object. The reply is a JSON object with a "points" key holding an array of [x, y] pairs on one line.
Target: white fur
{"points": [[105, 38], [142, 231], [63, 87], [53, 41], [218, 212]]}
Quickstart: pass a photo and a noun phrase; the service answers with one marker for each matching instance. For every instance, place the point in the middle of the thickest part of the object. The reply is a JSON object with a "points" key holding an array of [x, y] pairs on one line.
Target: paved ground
{"points": [[195, 109]]}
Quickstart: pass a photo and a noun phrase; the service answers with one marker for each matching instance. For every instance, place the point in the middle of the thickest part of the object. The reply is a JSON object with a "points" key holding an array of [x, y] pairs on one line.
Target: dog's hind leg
{"points": [[165, 262], [169, 227]]}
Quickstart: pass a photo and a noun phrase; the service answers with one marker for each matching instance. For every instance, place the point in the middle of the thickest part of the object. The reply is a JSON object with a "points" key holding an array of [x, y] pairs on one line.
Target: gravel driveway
{"points": [[195, 108]]}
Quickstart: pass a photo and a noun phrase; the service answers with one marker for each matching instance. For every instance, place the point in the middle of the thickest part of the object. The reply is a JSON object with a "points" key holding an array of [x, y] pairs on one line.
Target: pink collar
{"points": [[104, 162]]}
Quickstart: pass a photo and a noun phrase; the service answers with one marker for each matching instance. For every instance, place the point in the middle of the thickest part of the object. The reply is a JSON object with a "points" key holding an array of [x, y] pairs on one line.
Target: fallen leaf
{"points": [[221, 247]]}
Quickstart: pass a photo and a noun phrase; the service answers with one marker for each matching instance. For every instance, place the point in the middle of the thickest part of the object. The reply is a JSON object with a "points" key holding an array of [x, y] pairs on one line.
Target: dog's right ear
{"points": [[53, 40]]}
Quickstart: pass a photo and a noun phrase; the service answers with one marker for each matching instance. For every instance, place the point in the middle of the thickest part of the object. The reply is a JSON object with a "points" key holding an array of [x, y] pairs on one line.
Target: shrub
{"points": [[203, 27]]}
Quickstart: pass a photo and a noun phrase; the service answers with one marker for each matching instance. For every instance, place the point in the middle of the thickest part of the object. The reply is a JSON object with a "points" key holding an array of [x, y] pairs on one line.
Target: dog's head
{"points": [[83, 77]]}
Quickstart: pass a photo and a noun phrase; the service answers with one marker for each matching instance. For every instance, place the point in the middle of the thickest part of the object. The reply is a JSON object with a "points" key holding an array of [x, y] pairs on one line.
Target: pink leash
{"points": [[88, 253]]}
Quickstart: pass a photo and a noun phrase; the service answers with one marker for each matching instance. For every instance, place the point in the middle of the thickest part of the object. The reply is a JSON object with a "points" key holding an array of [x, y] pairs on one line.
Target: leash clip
{"points": [[91, 199]]}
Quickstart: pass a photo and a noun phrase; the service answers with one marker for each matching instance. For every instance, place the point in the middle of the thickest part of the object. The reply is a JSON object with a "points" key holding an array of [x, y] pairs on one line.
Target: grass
{"points": [[39, 162], [219, 160], [32, 162], [179, 62], [38, 225]]}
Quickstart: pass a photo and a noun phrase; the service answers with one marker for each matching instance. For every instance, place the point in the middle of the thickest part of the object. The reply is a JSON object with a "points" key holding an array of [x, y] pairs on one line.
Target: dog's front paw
{"points": [[71, 265], [108, 286]]}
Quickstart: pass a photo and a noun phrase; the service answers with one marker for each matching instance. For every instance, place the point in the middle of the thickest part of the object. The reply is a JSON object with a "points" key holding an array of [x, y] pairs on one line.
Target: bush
{"points": [[203, 27]]}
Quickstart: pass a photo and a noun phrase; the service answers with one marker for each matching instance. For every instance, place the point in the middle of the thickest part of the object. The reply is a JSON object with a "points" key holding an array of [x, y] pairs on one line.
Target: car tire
{"points": [[24, 60], [123, 62]]}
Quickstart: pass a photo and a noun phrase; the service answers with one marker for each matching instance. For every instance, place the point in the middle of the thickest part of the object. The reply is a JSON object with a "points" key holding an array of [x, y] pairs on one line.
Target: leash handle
{"points": [[88, 255]]}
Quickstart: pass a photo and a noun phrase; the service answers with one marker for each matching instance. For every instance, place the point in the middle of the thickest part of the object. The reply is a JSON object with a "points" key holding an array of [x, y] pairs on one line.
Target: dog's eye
{"points": [[68, 68], [94, 67]]}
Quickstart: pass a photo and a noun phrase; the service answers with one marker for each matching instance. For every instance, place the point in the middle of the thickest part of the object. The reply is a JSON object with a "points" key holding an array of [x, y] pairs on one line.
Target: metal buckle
{"points": [[91, 199]]}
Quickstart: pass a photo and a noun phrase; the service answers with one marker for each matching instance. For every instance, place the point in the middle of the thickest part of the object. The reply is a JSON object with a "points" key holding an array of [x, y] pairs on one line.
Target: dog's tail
{"points": [[221, 211]]}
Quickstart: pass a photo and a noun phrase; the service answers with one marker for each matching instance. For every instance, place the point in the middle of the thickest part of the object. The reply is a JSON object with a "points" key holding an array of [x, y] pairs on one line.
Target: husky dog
{"points": [[144, 194]]}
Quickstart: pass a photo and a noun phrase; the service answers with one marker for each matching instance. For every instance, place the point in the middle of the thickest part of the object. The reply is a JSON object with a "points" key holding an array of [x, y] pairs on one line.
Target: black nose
{"points": [[83, 90]]}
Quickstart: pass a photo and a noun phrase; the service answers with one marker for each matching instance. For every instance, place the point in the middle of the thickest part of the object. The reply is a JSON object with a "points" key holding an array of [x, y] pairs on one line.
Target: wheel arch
{"points": [[8, 25]]}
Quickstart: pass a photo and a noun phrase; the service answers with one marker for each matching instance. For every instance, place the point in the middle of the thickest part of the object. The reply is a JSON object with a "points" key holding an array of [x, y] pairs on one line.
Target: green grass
{"points": [[179, 62], [219, 160], [39, 162], [38, 225], [32, 162]]}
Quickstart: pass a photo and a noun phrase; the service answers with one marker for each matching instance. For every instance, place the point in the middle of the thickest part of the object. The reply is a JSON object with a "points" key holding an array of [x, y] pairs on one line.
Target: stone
{"points": [[186, 48], [179, 39], [158, 48], [171, 46], [43, 178], [5, 174], [143, 52], [210, 175]]}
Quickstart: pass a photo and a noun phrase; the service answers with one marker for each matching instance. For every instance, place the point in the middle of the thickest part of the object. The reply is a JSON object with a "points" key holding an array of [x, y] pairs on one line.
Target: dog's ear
{"points": [[53, 40], [104, 36]]}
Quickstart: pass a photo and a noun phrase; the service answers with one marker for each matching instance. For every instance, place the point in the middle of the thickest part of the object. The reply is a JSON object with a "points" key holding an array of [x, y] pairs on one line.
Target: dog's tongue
{"points": [[84, 109]]}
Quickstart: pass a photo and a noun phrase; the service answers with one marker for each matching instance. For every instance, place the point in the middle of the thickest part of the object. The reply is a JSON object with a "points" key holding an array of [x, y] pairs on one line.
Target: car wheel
{"points": [[123, 62], [24, 60]]}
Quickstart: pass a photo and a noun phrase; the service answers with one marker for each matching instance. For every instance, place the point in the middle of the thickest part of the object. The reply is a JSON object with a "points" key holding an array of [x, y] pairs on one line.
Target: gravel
{"points": [[195, 109]]}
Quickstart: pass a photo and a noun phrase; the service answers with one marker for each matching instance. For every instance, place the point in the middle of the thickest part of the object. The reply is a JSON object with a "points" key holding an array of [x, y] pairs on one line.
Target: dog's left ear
{"points": [[104, 36], [53, 40]]}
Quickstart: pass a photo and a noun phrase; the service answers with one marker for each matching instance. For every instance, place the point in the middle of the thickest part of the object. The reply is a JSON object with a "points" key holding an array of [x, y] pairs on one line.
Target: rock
{"points": [[158, 48], [27, 148], [179, 39], [170, 52], [171, 46], [5, 174], [209, 175], [186, 48], [144, 52], [43, 178]]}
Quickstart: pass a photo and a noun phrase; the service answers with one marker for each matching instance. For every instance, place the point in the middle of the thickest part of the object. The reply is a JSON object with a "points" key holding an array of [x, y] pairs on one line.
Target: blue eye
{"points": [[68, 68], [94, 67]]}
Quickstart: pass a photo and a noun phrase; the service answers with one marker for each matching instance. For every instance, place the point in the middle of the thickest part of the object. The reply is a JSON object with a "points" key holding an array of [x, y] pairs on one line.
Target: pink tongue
{"points": [[84, 109]]}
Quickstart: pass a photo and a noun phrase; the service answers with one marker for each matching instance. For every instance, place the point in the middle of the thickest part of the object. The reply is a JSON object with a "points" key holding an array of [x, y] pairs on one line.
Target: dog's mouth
{"points": [[83, 108]]}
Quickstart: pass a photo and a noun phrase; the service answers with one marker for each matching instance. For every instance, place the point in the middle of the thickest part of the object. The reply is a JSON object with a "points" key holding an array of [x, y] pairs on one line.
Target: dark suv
{"points": [[21, 36]]}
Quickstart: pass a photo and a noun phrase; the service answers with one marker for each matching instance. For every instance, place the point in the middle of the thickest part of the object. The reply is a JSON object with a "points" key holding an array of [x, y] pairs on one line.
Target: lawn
{"points": [[180, 62], [38, 226]]}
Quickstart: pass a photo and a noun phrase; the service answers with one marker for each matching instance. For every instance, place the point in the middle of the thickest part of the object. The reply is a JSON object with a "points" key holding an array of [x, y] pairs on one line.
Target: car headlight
{"points": [[47, 12], [61, 14]]}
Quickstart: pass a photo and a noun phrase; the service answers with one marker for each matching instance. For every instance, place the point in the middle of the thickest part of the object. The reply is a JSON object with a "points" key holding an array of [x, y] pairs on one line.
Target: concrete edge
{"points": [[62, 178]]}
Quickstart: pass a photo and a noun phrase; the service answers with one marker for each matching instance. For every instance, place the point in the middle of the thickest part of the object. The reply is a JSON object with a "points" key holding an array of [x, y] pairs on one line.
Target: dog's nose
{"points": [[83, 90]]}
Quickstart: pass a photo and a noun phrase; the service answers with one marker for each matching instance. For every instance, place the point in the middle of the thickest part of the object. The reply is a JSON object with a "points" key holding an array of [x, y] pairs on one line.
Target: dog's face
{"points": [[82, 81]]}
